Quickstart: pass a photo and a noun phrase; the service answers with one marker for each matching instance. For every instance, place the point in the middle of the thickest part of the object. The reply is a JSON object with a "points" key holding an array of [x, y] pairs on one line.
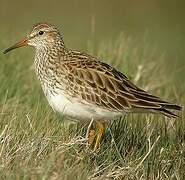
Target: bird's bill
{"points": [[24, 42]]}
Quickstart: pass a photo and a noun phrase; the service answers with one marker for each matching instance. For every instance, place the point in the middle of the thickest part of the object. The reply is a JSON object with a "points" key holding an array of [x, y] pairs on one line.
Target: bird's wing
{"points": [[100, 84]]}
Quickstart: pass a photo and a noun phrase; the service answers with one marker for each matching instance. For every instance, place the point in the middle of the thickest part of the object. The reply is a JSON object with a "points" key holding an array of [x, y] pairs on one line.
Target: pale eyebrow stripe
{"points": [[32, 36]]}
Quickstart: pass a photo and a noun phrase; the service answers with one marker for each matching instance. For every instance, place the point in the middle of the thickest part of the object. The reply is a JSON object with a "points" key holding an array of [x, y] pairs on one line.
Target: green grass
{"points": [[36, 143]]}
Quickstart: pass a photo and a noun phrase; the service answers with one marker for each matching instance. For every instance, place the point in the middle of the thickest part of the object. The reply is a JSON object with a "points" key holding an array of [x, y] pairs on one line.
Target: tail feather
{"points": [[172, 107], [168, 113], [153, 103], [166, 107]]}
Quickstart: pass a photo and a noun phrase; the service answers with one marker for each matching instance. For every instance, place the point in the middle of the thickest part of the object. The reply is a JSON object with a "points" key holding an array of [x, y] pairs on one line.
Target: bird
{"points": [[82, 87]]}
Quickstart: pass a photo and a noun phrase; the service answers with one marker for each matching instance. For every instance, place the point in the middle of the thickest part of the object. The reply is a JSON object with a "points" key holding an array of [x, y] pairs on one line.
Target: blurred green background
{"points": [[80, 20]]}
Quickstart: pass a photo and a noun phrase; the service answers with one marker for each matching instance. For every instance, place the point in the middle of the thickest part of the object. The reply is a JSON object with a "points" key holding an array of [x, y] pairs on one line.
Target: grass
{"points": [[36, 143]]}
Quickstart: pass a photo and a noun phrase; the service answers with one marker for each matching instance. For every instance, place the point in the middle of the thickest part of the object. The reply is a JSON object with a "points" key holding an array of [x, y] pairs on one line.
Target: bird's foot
{"points": [[95, 136]]}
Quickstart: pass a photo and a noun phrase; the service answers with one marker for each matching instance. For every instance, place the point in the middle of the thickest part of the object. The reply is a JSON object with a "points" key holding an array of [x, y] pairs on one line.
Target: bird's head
{"points": [[41, 35]]}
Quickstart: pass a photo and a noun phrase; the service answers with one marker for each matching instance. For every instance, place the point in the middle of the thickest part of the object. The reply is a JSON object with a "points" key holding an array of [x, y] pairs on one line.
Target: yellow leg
{"points": [[100, 131], [91, 136]]}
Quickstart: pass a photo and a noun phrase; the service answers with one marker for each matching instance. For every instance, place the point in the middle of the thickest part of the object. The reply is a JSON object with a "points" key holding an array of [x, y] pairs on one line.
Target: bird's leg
{"points": [[100, 131], [90, 134], [91, 137], [95, 136]]}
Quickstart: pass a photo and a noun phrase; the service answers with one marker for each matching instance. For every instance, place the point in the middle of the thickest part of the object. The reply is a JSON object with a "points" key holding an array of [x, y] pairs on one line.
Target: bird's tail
{"points": [[165, 109], [155, 104]]}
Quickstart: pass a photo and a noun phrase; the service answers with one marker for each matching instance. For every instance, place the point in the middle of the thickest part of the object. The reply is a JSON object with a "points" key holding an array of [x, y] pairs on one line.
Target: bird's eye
{"points": [[41, 32]]}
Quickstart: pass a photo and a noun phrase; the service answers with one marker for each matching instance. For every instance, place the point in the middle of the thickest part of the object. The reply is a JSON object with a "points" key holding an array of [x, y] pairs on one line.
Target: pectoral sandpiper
{"points": [[81, 87]]}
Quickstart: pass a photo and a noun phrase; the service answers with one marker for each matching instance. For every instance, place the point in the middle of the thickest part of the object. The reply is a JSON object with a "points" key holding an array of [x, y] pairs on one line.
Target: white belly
{"points": [[74, 109]]}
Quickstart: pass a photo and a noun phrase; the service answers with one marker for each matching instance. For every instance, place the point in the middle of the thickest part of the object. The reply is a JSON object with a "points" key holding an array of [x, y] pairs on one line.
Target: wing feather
{"points": [[106, 87]]}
